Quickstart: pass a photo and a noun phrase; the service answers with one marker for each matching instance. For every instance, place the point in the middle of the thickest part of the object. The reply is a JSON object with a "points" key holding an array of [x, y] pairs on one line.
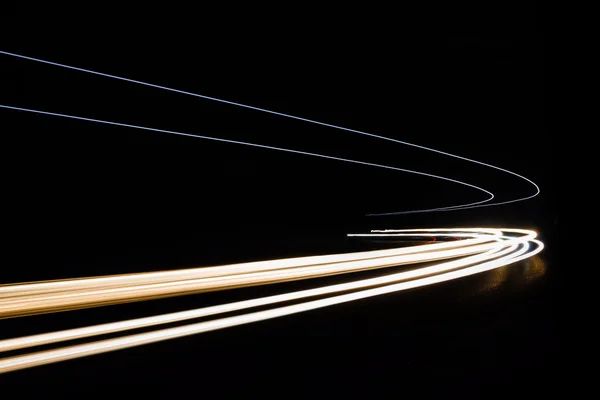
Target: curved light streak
{"points": [[85, 294], [62, 285], [482, 249], [503, 249], [449, 208], [266, 147]]}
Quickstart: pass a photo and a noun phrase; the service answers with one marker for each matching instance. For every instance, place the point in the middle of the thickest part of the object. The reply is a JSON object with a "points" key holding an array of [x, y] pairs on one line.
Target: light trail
{"points": [[63, 285], [503, 250], [29, 288], [449, 208], [482, 249], [490, 194], [28, 302]]}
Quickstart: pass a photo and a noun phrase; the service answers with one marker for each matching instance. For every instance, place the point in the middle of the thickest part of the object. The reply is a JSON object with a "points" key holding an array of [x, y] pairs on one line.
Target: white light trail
{"points": [[504, 250], [458, 207], [28, 302], [64, 285], [484, 249]]}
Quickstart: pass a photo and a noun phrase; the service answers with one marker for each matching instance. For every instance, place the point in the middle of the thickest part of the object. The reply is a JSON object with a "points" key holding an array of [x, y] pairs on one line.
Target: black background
{"points": [[86, 199]]}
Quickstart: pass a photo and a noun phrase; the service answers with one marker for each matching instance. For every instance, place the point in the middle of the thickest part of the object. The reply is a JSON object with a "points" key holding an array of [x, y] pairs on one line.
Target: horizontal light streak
{"points": [[505, 249]]}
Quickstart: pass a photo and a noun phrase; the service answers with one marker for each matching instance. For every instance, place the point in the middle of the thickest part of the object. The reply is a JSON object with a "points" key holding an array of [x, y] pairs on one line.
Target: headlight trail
{"points": [[28, 302], [449, 208], [63, 285], [478, 250], [504, 250]]}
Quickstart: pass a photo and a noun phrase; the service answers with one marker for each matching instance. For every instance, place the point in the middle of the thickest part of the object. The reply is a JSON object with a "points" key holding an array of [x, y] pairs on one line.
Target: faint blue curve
{"points": [[464, 206], [250, 144]]}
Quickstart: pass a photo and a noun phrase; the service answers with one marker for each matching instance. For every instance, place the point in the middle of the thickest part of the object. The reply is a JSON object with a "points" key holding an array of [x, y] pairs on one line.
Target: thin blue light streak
{"points": [[253, 145], [466, 206]]}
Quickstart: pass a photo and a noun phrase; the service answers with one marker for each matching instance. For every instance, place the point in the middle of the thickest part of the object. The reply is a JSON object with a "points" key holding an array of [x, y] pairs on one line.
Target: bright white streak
{"points": [[527, 235], [465, 206], [40, 358], [53, 337], [34, 302], [12, 290]]}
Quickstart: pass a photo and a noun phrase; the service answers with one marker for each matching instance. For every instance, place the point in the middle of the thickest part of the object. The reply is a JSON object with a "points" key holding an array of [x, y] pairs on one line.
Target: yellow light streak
{"points": [[483, 250]]}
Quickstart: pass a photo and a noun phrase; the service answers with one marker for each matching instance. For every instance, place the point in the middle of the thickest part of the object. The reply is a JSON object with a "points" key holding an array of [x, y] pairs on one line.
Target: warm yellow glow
{"points": [[482, 250]]}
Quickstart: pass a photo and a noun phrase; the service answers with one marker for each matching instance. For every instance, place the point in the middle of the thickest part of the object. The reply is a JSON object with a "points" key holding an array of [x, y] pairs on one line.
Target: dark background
{"points": [[88, 199]]}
